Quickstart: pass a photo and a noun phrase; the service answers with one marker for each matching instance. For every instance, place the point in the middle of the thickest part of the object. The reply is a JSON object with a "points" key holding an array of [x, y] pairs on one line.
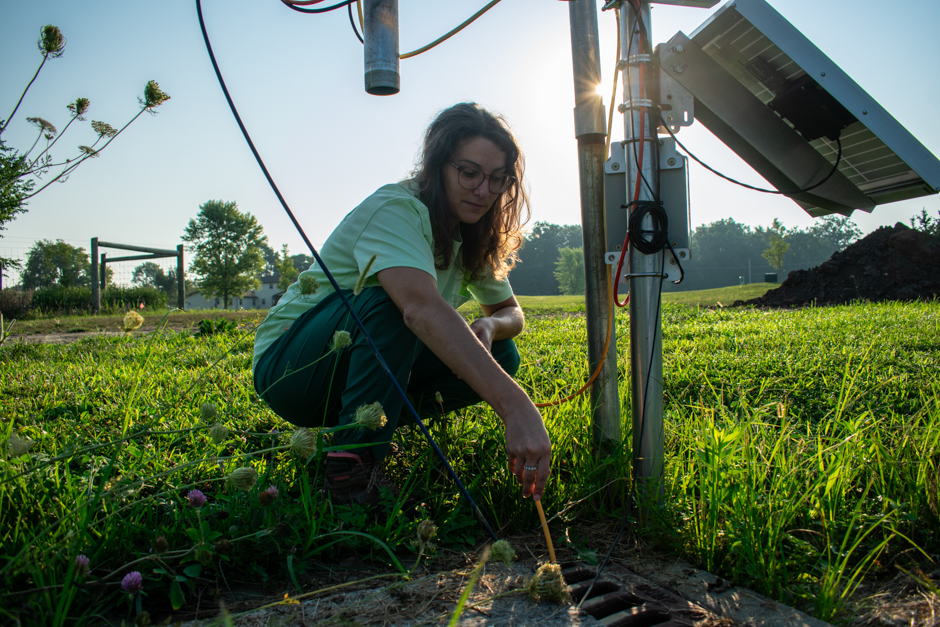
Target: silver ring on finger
{"points": [[531, 467]]}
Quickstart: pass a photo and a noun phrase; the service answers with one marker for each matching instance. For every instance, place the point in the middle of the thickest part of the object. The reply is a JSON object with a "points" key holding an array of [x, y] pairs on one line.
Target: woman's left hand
{"points": [[485, 330]]}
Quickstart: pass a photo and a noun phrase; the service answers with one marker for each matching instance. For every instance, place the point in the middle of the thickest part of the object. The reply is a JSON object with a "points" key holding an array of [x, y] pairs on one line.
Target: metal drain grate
{"points": [[629, 605]]}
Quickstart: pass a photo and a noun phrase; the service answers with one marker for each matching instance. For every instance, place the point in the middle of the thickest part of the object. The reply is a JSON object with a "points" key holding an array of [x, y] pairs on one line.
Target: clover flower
{"points": [[132, 583], [371, 416], [153, 96], [503, 552], [208, 411], [364, 275], [79, 107], [308, 284], [51, 41], [218, 432], [268, 496], [132, 319], [17, 446], [81, 566], [303, 443], [426, 531], [160, 545], [341, 339], [548, 584], [196, 498], [243, 478]]}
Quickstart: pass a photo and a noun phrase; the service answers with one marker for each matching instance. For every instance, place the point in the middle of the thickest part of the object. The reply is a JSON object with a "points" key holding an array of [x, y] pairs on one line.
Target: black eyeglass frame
{"points": [[510, 179]]}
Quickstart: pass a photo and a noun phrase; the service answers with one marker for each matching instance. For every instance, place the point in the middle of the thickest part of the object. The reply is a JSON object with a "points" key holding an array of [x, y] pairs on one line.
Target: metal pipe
{"points": [[95, 289], [180, 279], [380, 34], [591, 132], [646, 358]]}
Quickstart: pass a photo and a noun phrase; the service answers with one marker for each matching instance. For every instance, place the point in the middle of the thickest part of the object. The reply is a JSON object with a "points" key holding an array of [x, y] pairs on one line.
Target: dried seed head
{"points": [[51, 41], [44, 125], [308, 284], [371, 416], [548, 584], [341, 339], [153, 96], [364, 275], [268, 496], [218, 433], [81, 566], [103, 129], [303, 443], [17, 446], [132, 319], [133, 582], [426, 531], [160, 545], [503, 552], [208, 411], [243, 478], [79, 107], [196, 498]]}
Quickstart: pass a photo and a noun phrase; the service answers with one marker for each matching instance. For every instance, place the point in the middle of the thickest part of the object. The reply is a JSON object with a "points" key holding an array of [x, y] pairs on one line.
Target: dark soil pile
{"points": [[892, 263]]}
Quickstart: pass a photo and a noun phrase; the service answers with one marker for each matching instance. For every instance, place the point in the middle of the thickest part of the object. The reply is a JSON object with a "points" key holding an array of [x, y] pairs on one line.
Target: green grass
{"points": [[802, 455]]}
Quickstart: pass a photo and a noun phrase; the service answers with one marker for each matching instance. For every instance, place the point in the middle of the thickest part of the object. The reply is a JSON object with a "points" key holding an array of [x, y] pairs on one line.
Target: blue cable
{"points": [[329, 276]]}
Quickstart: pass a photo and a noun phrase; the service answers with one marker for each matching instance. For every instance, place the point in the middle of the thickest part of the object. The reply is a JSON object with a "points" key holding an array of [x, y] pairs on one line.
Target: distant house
{"points": [[262, 298]]}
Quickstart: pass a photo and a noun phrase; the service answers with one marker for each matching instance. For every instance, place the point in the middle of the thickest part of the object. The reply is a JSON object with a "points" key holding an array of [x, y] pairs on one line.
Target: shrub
{"points": [[15, 303], [72, 300]]}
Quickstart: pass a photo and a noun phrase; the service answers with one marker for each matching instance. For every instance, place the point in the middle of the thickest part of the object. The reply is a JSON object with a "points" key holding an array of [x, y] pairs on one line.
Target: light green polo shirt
{"points": [[396, 227]]}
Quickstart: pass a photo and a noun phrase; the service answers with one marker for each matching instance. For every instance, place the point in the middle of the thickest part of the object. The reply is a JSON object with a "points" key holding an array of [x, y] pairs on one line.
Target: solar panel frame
{"points": [[880, 157]]}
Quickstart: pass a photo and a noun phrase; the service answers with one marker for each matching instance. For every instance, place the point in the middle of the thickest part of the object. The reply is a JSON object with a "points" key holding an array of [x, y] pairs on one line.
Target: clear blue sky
{"points": [[297, 80]]}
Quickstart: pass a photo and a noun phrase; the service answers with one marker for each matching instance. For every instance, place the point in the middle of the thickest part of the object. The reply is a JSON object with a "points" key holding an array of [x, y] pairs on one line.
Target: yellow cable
{"points": [[440, 40], [362, 25], [610, 289]]}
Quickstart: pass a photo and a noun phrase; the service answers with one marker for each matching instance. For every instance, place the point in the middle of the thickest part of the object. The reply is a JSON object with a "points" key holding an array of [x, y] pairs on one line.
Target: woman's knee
{"points": [[507, 356]]}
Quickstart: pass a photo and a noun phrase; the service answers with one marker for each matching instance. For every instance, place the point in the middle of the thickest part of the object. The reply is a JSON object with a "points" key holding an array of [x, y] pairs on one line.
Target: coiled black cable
{"points": [[648, 242]]}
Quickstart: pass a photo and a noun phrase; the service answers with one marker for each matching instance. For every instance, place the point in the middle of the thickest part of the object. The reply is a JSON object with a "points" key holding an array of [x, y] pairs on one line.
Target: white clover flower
{"points": [[341, 339], [132, 321], [208, 411], [371, 416], [548, 584], [303, 443], [17, 446], [243, 479], [218, 432], [308, 284], [503, 552]]}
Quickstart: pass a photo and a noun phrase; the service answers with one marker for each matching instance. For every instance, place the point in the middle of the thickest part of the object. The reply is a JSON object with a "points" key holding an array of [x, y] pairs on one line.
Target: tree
{"points": [[58, 263], [534, 274], [302, 262], [20, 171], [926, 224], [778, 245], [569, 271], [270, 260], [285, 268], [837, 231], [226, 245], [150, 273]]}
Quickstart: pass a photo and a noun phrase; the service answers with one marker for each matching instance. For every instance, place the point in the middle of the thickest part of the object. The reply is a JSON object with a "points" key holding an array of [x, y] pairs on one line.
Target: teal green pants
{"points": [[310, 385]]}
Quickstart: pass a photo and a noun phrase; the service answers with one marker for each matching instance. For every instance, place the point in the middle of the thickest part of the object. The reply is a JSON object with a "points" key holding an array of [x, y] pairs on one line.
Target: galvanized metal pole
{"points": [[646, 356], [180, 279], [590, 129], [380, 34], [95, 288]]}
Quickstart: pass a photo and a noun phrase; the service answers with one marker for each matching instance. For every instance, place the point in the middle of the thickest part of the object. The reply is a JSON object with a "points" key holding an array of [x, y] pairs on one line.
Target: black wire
{"points": [[336, 287], [658, 237], [352, 23], [629, 82], [339, 5], [835, 167]]}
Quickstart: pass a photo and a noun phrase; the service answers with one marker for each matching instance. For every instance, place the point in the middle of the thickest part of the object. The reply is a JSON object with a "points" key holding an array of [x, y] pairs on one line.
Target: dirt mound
{"points": [[892, 263]]}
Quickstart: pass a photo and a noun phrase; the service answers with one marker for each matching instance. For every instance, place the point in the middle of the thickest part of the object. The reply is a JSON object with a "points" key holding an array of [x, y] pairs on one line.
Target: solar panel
{"points": [[781, 104]]}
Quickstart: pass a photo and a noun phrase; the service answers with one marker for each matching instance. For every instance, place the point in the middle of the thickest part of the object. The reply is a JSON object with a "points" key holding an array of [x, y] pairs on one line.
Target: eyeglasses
{"points": [[471, 178]]}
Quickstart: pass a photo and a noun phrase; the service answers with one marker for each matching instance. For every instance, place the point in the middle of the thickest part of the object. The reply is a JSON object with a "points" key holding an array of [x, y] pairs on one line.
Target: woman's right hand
{"points": [[529, 449]]}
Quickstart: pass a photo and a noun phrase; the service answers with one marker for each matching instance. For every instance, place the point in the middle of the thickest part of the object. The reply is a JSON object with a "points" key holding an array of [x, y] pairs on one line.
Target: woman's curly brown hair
{"points": [[494, 240]]}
